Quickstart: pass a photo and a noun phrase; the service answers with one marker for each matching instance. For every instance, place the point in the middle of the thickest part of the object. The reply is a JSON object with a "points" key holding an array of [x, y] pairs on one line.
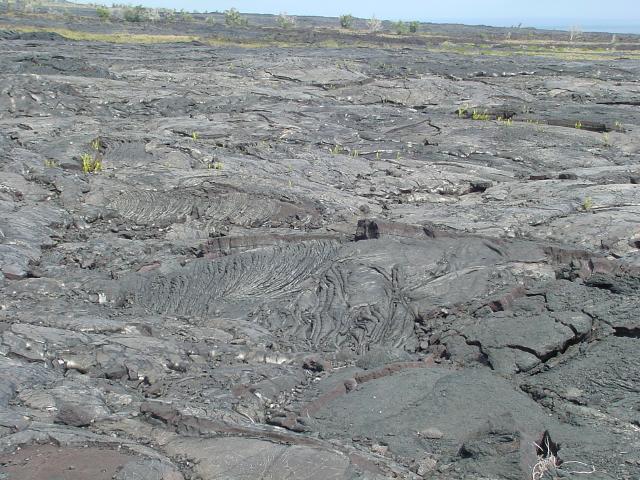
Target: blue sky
{"points": [[558, 13]]}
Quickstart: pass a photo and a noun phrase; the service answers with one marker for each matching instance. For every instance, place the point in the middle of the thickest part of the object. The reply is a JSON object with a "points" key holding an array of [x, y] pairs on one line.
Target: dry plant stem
{"points": [[548, 463]]}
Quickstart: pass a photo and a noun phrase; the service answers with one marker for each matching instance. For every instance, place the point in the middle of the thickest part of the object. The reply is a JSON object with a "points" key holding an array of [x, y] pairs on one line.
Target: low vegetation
{"points": [[374, 24], [133, 38], [336, 150], [479, 115], [550, 466], [574, 33], [565, 49], [462, 111], [233, 18], [135, 14], [346, 21], [400, 27], [90, 164], [285, 21], [103, 13]]}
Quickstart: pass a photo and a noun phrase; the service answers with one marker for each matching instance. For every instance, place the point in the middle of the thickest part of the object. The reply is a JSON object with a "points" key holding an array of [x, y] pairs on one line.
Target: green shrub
{"points": [[103, 13], [414, 26], [478, 115], [90, 164], [374, 25], [463, 110], [135, 14], [400, 27], [233, 18], [186, 17], [346, 21], [285, 21]]}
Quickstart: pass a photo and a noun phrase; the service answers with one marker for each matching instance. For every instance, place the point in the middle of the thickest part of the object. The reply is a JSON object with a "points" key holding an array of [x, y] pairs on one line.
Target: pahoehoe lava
{"points": [[268, 253]]}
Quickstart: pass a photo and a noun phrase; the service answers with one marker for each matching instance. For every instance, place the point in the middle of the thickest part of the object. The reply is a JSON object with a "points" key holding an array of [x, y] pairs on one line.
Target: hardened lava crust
{"points": [[307, 253]]}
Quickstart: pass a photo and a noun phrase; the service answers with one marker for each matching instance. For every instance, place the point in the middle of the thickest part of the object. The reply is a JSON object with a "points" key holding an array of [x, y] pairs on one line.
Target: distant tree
{"points": [[574, 33], [103, 13], [153, 14], [285, 21], [233, 18], [135, 14], [186, 16], [373, 24], [346, 21], [400, 27], [414, 26]]}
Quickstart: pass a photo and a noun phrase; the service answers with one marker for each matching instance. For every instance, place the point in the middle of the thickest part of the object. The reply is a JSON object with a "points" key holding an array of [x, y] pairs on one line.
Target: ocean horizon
{"points": [[606, 28], [562, 24]]}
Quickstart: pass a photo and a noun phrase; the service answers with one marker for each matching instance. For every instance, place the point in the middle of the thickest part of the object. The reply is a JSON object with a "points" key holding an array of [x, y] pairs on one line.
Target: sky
{"points": [[623, 14]]}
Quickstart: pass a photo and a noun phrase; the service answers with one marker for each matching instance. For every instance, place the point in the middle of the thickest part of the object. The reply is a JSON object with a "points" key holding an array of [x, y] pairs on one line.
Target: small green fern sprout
{"points": [[477, 115], [587, 204], [579, 125], [194, 136], [90, 164]]}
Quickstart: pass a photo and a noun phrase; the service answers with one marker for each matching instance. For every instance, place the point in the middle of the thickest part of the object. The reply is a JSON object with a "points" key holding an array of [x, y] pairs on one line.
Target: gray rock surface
{"points": [[311, 262]]}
